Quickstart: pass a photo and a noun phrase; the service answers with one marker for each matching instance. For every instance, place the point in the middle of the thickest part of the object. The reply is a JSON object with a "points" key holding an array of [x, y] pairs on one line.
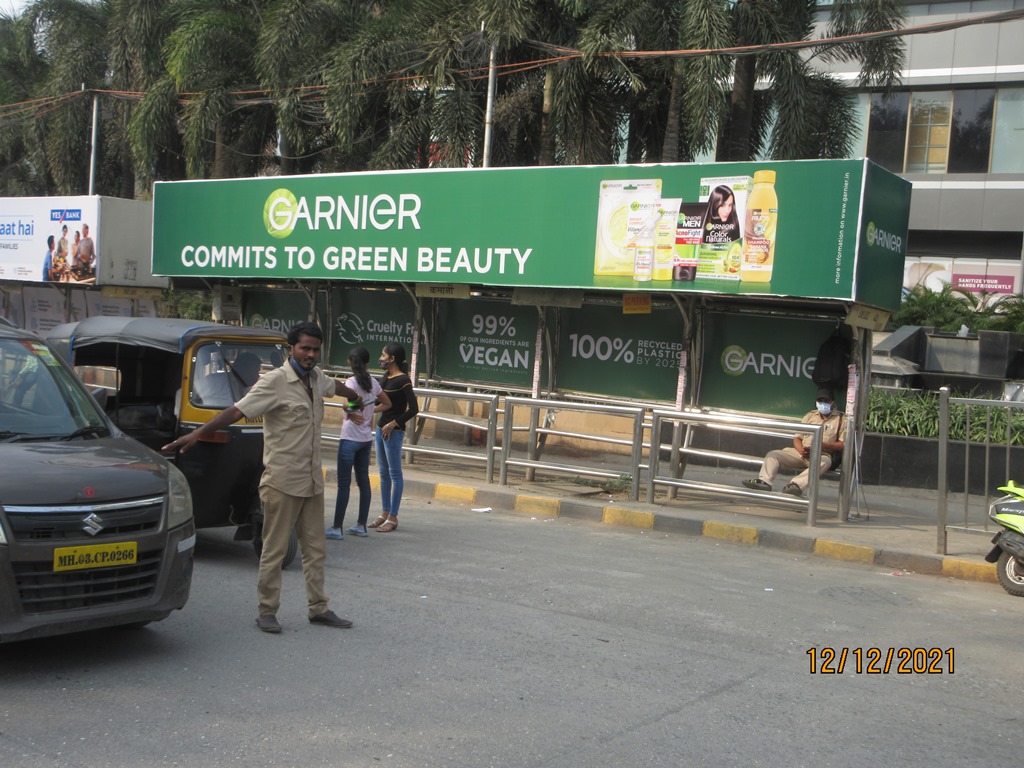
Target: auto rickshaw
{"points": [[159, 378]]}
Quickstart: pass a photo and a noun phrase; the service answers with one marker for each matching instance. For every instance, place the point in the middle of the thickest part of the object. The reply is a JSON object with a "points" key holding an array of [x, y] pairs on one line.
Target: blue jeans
{"points": [[389, 462], [353, 454]]}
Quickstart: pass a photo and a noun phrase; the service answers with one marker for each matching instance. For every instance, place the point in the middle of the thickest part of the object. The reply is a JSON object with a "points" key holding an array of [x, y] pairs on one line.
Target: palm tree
{"points": [[23, 166], [135, 36], [794, 86], [209, 58], [69, 39]]}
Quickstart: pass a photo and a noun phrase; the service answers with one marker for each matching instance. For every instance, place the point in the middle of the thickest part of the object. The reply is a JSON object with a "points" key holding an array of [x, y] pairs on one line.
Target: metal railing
{"points": [[733, 423], [488, 425], [642, 420], [992, 422], [634, 414]]}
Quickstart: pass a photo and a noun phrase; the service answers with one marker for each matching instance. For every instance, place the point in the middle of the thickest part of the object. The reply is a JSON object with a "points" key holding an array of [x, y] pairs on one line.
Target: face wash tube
{"points": [[665, 238]]}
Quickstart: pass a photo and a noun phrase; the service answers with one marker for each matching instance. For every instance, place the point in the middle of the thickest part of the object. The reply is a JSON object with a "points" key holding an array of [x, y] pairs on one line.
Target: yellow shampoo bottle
{"points": [[761, 221]]}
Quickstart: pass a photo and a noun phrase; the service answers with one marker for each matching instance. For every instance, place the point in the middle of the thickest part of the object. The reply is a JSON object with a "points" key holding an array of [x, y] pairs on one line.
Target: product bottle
{"points": [[643, 261], [759, 228], [665, 238]]}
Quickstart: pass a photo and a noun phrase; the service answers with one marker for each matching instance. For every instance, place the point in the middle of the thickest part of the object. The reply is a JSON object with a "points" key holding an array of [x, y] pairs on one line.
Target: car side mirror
{"points": [[99, 394]]}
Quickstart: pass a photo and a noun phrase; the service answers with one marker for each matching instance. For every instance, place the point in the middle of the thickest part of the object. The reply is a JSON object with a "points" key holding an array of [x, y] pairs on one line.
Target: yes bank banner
{"points": [[561, 227], [761, 363]]}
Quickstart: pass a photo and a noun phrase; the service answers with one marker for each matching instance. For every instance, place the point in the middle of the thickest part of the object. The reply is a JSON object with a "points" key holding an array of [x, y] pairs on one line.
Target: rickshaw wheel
{"points": [[289, 553]]}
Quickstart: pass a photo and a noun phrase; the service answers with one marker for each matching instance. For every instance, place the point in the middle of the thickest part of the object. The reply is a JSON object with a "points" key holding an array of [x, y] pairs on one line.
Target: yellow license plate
{"points": [[95, 556]]}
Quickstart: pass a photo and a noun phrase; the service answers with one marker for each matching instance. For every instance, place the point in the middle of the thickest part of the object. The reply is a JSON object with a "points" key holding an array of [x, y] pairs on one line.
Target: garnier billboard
{"points": [[817, 228]]}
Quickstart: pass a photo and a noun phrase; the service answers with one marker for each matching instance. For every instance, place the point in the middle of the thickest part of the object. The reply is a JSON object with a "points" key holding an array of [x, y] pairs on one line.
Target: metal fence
{"points": [[487, 425], [640, 455], [978, 463], [537, 432], [734, 423]]}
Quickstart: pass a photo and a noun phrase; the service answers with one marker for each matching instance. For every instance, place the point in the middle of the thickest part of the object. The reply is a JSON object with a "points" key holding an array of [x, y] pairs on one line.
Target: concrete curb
{"points": [[592, 511]]}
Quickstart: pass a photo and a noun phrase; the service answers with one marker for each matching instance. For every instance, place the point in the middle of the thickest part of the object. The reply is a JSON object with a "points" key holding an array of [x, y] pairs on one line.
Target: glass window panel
{"points": [[971, 136], [915, 159], [887, 130], [917, 136], [929, 113], [1008, 136]]}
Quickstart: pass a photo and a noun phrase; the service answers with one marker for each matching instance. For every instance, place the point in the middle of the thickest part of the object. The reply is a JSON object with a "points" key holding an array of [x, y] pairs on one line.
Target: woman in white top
{"points": [[356, 440]]}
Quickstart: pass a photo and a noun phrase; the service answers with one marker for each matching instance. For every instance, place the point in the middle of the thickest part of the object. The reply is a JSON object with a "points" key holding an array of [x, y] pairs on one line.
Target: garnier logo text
{"points": [[737, 361], [881, 238], [283, 212]]}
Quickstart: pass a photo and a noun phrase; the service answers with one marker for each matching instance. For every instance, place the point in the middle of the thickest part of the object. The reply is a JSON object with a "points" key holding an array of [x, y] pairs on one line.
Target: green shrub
{"points": [[916, 414]]}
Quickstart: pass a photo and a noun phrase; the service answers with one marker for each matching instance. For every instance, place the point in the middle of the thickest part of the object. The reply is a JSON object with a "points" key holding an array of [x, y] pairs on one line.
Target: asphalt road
{"points": [[496, 640]]}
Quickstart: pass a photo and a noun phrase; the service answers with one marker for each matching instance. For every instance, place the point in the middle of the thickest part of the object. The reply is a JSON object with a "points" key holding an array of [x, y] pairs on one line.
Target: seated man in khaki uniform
{"points": [[832, 438]]}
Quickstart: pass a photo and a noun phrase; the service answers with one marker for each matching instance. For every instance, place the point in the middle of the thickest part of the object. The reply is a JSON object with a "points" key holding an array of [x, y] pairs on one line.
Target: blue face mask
{"points": [[824, 408]]}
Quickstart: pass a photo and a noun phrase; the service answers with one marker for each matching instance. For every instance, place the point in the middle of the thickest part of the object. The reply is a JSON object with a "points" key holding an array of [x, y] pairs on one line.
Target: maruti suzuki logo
{"points": [[93, 524]]}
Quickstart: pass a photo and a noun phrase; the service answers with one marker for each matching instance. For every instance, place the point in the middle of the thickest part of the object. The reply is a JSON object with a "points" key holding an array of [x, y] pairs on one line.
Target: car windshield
{"points": [[40, 398], [223, 372]]}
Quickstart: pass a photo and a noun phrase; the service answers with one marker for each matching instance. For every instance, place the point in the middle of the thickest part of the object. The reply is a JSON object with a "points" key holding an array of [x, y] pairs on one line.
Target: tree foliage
{"points": [[950, 310], [215, 88]]}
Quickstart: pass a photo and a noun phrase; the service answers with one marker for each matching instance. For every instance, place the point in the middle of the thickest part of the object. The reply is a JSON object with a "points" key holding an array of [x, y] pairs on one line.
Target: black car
{"points": [[96, 530]]}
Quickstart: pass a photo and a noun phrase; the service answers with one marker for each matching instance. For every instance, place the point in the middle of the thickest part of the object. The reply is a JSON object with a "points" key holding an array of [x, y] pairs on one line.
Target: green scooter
{"points": [[1008, 545]]}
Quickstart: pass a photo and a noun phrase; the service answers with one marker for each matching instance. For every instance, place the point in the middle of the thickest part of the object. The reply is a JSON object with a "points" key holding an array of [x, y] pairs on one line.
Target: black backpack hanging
{"points": [[831, 367]]}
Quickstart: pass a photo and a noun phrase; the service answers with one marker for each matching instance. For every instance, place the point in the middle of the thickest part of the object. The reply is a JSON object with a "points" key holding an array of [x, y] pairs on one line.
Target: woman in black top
{"points": [[390, 433]]}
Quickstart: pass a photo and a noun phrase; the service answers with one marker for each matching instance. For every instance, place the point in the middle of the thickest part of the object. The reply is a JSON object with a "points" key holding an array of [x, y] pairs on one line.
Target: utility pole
{"points": [[489, 112], [92, 140]]}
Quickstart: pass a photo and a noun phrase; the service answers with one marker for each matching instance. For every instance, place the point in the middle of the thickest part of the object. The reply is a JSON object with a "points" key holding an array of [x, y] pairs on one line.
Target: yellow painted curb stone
{"points": [[449, 492], [630, 518], [852, 552], [536, 505], [965, 569], [741, 534]]}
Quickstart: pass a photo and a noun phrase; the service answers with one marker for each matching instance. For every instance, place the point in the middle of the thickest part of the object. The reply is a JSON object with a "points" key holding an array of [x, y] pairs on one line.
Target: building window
{"points": [[1008, 135], [928, 133], [887, 130], [966, 131], [971, 140]]}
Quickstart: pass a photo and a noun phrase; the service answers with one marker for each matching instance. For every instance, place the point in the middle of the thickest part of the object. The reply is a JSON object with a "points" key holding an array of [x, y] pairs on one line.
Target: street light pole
{"points": [[489, 112], [92, 141]]}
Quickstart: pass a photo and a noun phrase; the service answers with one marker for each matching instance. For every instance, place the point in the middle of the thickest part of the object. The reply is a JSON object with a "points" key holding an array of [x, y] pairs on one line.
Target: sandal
{"points": [[378, 522], [387, 527]]}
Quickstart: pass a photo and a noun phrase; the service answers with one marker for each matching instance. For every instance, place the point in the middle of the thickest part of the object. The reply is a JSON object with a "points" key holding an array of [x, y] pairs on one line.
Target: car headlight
{"points": [[179, 509]]}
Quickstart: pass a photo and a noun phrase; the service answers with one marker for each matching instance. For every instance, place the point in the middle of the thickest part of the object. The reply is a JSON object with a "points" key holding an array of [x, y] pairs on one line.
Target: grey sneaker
{"points": [[334, 533], [267, 622], [357, 530], [330, 619], [757, 484], [794, 489]]}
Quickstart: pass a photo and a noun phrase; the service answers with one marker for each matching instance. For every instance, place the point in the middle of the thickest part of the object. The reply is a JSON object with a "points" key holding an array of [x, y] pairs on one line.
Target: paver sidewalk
{"points": [[890, 527]]}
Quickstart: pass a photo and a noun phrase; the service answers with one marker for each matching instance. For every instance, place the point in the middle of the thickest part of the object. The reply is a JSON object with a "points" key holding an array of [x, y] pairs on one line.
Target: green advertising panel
{"points": [[602, 351], [489, 342], [761, 363], [882, 239], [771, 228], [369, 319], [277, 310]]}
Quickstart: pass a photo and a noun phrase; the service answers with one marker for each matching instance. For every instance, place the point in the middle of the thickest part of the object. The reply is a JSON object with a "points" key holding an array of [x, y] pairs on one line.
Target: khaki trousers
{"points": [[789, 458], [281, 514]]}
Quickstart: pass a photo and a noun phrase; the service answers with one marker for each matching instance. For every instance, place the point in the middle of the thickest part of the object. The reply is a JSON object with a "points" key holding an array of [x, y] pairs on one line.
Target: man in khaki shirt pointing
{"points": [[291, 401]]}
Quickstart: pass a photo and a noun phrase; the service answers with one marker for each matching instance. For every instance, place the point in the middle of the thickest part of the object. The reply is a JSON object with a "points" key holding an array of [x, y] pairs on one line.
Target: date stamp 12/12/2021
{"points": [[881, 661]]}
